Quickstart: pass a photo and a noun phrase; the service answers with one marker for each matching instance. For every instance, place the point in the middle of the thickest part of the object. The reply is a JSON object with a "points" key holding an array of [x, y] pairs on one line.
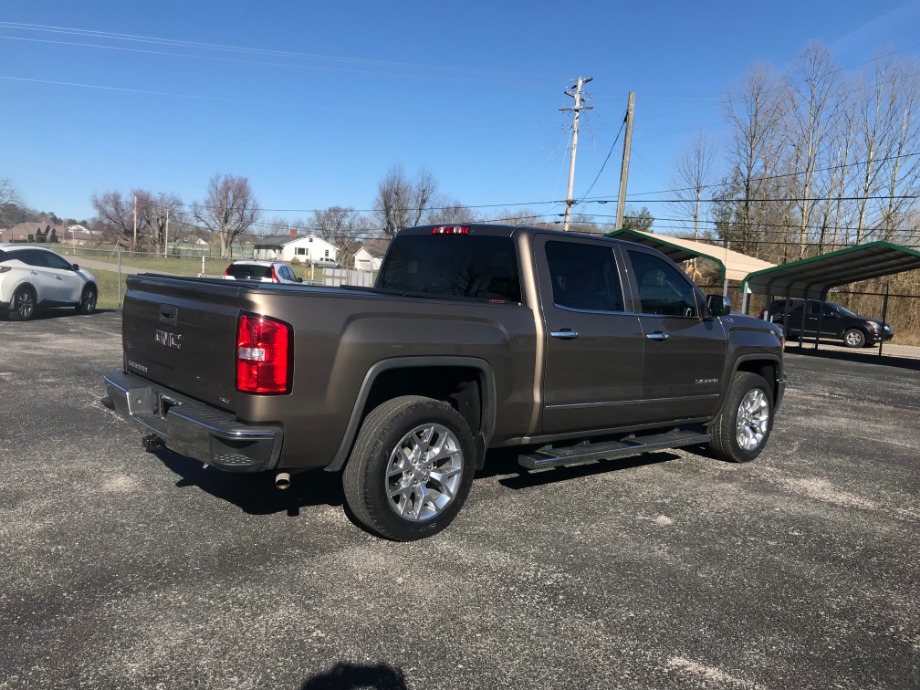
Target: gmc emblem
{"points": [[168, 339]]}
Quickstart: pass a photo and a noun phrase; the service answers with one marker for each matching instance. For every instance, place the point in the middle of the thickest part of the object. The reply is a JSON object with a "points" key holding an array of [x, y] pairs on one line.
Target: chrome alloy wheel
{"points": [[424, 472], [752, 420]]}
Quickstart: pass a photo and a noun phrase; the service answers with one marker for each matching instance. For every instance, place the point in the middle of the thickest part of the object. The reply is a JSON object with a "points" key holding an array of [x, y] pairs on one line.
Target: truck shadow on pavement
{"points": [[505, 462], [256, 493]]}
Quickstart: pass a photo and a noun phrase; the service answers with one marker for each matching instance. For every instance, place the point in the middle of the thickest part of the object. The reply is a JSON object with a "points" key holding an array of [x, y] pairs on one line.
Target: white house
{"points": [[366, 261], [304, 248]]}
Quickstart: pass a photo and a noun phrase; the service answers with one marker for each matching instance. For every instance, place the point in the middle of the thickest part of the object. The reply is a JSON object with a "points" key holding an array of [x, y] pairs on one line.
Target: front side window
{"points": [[55, 261], [584, 276], [662, 288]]}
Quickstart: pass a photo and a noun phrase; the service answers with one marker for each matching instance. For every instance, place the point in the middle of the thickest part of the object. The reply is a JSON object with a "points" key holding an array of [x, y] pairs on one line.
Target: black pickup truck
{"points": [[571, 347]]}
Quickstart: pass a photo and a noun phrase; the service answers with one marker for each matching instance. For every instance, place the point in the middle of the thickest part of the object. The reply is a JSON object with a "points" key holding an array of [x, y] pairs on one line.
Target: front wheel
{"points": [[854, 338], [742, 428], [411, 468]]}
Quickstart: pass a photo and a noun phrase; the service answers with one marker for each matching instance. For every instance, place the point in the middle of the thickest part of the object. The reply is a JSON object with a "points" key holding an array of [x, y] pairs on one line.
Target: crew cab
{"points": [[571, 347]]}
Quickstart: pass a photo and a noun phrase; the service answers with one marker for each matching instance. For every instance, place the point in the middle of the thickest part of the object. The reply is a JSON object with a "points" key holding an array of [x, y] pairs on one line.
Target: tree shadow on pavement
{"points": [[345, 676], [255, 492]]}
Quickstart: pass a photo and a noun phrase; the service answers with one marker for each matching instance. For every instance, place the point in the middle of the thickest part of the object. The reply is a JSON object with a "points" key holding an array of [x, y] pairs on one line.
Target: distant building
{"points": [[370, 255], [304, 248]]}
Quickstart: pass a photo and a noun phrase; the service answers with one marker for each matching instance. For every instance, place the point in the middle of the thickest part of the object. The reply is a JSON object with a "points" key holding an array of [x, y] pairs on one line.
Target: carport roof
{"points": [[733, 265], [811, 278]]}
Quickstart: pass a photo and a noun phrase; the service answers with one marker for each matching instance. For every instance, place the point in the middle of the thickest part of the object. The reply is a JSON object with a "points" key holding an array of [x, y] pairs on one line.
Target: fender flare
{"points": [[483, 436]]}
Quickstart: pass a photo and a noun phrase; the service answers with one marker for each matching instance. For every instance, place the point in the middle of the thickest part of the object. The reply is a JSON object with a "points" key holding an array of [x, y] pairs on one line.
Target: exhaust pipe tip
{"points": [[282, 480]]}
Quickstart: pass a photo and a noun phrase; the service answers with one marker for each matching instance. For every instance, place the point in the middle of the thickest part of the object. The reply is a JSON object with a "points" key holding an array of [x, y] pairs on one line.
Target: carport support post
{"points": [[881, 343]]}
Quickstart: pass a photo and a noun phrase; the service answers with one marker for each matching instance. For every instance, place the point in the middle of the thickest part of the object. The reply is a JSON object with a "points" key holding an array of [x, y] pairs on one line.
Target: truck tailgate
{"points": [[181, 333]]}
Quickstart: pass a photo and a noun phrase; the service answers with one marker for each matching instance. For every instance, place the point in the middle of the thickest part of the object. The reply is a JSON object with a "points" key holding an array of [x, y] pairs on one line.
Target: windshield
{"points": [[478, 267]]}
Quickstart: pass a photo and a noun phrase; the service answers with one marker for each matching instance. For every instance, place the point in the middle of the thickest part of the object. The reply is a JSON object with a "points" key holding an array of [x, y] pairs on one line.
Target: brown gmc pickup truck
{"points": [[571, 347]]}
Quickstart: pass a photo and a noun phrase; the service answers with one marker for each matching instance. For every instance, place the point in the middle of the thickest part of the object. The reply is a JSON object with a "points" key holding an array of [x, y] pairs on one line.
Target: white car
{"points": [[264, 271], [33, 278]]}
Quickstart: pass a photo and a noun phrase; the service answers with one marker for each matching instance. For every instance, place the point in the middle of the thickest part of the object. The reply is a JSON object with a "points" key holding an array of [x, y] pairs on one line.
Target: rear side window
{"points": [[662, 288], [249, 272], [4, 256], [584, 276], [472, 266]]}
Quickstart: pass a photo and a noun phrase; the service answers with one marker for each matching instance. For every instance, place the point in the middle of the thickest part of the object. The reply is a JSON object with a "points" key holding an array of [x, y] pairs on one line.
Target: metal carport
{"points": [[812, 278], [732, 265]]}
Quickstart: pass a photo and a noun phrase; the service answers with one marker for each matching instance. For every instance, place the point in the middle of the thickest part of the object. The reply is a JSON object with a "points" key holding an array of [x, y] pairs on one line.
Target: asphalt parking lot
{"points": [[120, 569]]}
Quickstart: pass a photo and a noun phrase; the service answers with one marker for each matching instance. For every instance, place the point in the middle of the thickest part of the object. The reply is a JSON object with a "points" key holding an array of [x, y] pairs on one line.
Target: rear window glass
{"points": [[477, 267], [249, 272], [3, 256]]}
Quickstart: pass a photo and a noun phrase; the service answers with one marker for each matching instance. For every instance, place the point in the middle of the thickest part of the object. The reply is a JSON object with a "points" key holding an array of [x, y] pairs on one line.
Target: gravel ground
{"points": [[121, 569]]}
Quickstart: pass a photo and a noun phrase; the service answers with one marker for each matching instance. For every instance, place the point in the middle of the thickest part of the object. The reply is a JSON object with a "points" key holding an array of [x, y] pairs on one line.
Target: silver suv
{"points": [[34, 277]]}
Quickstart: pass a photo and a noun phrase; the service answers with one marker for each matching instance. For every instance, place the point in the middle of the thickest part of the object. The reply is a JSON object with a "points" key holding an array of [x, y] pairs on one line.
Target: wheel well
{"points": [[765, 370], [461, 387]]}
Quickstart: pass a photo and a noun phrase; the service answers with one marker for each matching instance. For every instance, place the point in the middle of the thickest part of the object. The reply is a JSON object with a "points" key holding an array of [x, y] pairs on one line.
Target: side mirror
{"points": [[300, 280], [75, 267], [718, 305]]}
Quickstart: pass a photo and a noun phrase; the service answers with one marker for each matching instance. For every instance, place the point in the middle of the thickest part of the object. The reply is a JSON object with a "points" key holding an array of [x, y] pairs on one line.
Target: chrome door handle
{"points": [[565, 334], [658, 336]]}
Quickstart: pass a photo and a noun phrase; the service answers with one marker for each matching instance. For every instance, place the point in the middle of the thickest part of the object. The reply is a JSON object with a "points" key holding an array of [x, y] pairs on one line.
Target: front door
{"points": [[684, 353], [593, 349]]}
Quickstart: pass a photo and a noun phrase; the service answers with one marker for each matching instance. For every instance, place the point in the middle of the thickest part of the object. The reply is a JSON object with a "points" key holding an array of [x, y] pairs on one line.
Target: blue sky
{"points": [[314, 102]]}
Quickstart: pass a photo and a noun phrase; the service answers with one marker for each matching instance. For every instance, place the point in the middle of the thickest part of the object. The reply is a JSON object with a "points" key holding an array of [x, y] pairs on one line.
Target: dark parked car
{"points": [[834, 322]]}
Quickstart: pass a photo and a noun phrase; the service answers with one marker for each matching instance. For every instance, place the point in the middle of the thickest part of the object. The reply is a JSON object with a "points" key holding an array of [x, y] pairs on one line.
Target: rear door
{"points": [[684, 353], [592, 348]]}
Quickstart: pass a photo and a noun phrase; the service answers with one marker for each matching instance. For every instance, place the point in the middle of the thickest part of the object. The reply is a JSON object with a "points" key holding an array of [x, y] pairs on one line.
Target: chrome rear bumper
{"points": [[192, 428]]}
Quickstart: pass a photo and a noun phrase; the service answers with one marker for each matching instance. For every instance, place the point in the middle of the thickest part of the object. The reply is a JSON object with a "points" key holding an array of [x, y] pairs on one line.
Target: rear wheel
{"points": [[854, 338], [742, 428], [22, 308], [411, 468], [88, 298]]}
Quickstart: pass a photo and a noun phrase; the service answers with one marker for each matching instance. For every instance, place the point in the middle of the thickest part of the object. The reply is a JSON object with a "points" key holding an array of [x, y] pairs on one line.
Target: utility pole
{"points": [[134, 244], [624, 169], [569, 202], [166, 238]]}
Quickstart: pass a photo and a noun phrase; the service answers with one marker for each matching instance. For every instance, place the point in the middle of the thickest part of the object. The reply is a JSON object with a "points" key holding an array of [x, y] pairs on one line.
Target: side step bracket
{"points": [[548, 456]]}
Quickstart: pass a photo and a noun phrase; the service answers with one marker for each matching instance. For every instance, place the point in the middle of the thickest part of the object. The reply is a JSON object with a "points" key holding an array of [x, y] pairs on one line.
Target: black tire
{"points": [[741, 430], [384, 498], [88, 299], [23, 306], [854, 338]]}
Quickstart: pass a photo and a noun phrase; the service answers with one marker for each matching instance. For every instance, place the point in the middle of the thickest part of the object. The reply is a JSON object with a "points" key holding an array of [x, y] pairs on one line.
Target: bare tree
{"points": [[694, 177], [449, 211], [402, 202], [811, 89], [229, 209], [901, 171], [9, 199], [154, 212], [341, 227], [755, 114], [115, 216]]}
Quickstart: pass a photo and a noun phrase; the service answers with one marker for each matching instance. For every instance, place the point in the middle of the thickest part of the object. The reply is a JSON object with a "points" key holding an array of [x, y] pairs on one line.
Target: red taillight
{"points": [[451, 230], [225, 270], [262, 355], [274, 275]]}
